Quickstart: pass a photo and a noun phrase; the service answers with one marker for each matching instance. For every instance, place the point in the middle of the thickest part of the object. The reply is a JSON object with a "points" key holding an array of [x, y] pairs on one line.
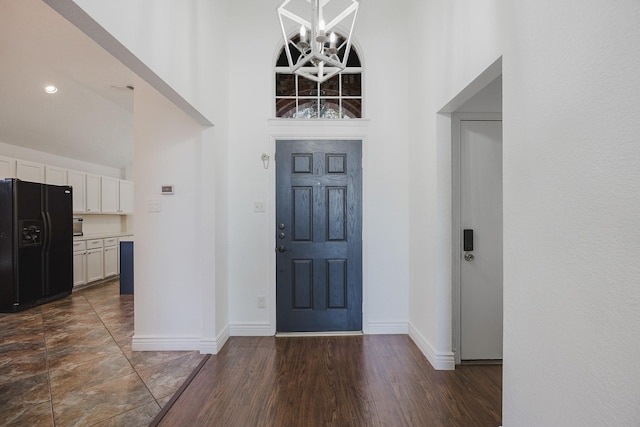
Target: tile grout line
{"points": [[125, 356], [46, 360]]}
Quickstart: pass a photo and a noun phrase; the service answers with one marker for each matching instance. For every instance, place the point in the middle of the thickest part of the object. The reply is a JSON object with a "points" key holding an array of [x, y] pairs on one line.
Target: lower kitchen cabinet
{"points": [[79, 266], [110, 257], [95, 264], [96, 259]]}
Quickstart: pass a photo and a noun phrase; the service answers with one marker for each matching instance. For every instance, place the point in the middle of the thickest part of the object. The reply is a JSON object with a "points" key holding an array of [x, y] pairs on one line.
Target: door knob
{"points": [[282, 249], [469, 256]]}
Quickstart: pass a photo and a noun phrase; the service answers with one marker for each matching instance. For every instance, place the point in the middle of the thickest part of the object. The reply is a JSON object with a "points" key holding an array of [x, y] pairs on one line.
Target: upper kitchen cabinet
{"points": [[110, 195], [117, 196], [30, 171], [78, 180], [126, 197], [55, 176], [7, 167], [93, 193]]}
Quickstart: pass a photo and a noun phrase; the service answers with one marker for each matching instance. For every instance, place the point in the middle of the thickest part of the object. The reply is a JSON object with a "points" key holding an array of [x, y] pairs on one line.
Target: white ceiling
{"points": [[91, 116]]}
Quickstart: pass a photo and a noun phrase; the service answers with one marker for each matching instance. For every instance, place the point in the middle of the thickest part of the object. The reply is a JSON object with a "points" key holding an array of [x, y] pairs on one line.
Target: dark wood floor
{"points": [[374, 380]]}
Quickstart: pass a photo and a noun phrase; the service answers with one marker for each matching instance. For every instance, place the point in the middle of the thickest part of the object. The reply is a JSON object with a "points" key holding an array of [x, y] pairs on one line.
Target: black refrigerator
{"points": [[36, 243]]}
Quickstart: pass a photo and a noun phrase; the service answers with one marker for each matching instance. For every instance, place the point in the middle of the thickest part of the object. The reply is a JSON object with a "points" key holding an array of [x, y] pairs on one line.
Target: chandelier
{"points": [[316, 52]]}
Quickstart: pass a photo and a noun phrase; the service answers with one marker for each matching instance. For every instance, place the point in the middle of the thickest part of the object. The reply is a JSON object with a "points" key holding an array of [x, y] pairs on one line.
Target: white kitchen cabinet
{"points": [[54, 175], [7, 167], [93, 191], [79, 263], [110, 257], [126, 197], [77, 180], [30, 171], [95, 260], [79, 268], [117, 196], [110, 195]]}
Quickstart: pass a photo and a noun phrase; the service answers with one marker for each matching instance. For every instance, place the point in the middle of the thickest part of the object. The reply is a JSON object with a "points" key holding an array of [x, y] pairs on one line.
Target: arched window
{"points": [[340, 97]]}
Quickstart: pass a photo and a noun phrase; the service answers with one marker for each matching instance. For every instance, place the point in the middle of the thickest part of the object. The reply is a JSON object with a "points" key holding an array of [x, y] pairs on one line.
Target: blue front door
{"points": [[318, 236]]}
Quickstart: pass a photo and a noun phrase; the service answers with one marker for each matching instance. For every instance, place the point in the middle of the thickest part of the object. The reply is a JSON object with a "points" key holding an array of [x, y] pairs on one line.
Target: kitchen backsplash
{"points": [[101, 224]]}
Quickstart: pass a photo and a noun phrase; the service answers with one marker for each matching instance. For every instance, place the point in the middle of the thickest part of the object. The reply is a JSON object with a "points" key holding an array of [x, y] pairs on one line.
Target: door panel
{"points": [[59, 250], [30, 261], [318, 236], [481, 268]]}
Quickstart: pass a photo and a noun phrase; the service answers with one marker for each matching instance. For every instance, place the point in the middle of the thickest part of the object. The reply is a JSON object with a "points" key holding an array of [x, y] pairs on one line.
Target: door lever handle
{"points": [[281, 249]]}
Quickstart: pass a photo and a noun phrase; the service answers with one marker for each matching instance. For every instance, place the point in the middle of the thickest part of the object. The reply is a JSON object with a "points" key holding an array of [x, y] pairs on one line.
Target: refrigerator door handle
{"points": [[46, 244]]}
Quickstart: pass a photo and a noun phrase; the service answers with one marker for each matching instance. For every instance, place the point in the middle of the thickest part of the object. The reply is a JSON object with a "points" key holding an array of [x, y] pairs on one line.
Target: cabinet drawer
{"points": [[94, 244], [80, 245], [111, 241]]}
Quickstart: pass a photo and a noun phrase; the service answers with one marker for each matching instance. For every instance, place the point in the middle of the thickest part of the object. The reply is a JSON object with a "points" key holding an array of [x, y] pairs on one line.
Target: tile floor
{"points": [[69, 363]]}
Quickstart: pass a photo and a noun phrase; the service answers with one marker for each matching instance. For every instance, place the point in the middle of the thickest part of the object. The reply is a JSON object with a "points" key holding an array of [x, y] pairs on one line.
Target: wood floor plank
{"points": [[381, 380]]}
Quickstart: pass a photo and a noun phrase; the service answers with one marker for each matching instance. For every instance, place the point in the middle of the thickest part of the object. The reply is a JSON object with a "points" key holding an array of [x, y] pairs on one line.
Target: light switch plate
{"points": [[153, 205], [258, 207]]}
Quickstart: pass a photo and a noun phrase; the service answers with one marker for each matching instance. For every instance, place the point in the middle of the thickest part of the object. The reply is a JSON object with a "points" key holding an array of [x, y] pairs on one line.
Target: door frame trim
{"points": [[338, 134], [456, 239]]}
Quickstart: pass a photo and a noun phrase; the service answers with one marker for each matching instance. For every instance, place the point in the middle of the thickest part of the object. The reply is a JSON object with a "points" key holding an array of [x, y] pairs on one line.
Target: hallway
{"points": [[70, 363], [371, 380]]}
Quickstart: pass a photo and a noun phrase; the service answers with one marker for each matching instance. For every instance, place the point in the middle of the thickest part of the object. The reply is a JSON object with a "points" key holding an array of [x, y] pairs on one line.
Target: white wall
{"points": [[178, 41], [167, 282], [571, 186], [251, 235], [571, 179], [459, 41], [180, 284], [488, 100]]}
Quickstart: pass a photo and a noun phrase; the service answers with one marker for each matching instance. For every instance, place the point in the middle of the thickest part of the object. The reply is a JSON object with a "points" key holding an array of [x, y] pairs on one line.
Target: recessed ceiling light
{"points": [[50, 89]]}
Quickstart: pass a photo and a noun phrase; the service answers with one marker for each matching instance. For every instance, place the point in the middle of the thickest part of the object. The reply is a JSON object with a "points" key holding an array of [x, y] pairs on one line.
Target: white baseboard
{"points": [[387, 328], [251, 330], [214, 345], [164, 343], [442, 361]]}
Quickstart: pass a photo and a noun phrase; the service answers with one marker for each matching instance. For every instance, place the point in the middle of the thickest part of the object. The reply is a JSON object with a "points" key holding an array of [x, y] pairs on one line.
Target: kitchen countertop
{"points": [[102, 236]]}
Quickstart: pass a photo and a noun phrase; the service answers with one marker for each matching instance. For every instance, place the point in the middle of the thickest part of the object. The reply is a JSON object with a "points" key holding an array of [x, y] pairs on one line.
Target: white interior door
{"points": [[481, 211]]}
